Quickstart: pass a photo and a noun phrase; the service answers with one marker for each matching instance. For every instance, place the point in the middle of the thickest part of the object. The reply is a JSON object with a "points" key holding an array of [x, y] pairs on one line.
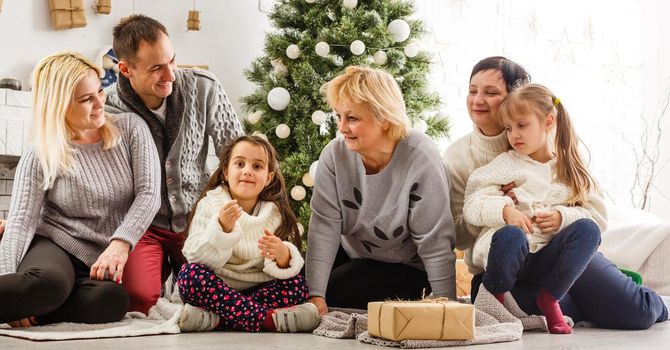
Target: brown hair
{"points": [[513, 74], [274, 192], [131, 31], [571, 169]]}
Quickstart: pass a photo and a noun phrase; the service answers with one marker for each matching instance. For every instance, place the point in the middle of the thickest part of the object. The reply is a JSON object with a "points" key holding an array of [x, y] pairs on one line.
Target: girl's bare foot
{"points": [[25, 322]]}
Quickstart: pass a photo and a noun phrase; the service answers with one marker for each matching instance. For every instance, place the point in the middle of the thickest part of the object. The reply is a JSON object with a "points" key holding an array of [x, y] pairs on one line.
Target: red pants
{"points": [[156, 254]]}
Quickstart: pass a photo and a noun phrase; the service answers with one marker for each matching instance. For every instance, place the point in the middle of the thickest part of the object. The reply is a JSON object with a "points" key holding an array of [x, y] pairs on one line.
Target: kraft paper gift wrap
{"points": [[436, 319]]}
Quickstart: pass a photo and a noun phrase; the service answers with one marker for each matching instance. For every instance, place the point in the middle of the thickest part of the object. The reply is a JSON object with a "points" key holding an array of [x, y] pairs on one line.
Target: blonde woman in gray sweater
{"points": [[85, 192], [378, 228]]}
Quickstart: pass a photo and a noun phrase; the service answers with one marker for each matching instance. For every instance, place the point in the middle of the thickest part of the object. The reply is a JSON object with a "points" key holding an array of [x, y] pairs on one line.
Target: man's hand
{"points": [[507, 191], [514, 216], [229, 214], [111, 262], [548, 221], [320, 304], [271, 247]]}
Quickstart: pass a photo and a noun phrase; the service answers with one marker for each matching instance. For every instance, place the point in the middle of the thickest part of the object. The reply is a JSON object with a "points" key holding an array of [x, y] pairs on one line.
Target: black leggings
{"points": [[355, 282], [54, 286]]}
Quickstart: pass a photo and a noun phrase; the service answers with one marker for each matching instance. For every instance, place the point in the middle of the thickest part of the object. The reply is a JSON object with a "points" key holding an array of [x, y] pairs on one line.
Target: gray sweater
{"points": [[197, 108], [111, 194], [399, 215]]}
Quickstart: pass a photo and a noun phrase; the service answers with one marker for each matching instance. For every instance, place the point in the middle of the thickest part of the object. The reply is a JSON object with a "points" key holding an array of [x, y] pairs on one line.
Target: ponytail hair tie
{"points": [[557, 101]]}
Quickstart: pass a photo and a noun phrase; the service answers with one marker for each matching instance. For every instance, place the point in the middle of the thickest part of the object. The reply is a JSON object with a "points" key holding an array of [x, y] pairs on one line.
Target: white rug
{"points": [[163, 319]]}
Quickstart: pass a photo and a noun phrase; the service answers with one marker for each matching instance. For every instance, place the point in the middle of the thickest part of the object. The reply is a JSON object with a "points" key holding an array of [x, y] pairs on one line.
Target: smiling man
{"points": [[182, 108]]}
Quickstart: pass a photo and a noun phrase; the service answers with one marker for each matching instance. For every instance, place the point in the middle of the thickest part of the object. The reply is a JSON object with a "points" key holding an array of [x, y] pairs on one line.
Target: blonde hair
{"points": [[55, 79], [571, 169], [377, 90]]}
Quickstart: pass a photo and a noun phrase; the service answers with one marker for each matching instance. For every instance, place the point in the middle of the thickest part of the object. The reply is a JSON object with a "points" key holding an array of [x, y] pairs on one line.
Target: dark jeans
{"points": [[554, 268], [355, 282], [602, 295], [54, 286]]}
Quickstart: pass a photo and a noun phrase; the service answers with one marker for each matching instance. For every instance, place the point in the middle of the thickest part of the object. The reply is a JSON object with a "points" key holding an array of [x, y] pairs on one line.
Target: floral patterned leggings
{"points": [[239, 310]]}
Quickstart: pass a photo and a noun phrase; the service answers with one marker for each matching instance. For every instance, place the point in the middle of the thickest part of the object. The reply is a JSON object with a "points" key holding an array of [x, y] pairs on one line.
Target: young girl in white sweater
{"points": [[243, 260], [552, 232]]}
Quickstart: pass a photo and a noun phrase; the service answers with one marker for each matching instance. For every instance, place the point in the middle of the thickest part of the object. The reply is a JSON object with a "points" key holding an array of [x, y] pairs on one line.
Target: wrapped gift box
{"points": [[104, 7], [66, 14], [421, 320], [193, 22], [463, 279]]}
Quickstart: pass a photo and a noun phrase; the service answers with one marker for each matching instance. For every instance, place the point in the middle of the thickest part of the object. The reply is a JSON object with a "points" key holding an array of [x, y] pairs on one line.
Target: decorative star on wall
{"points": [[533, 25], [438, 47], [616, 70], [564, 47], [589, 32], [459, 4]]}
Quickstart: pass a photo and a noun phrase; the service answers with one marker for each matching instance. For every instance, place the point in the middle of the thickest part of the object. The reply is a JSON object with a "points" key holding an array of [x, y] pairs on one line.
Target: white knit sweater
{"points": [[234, 256], [537, 190]]}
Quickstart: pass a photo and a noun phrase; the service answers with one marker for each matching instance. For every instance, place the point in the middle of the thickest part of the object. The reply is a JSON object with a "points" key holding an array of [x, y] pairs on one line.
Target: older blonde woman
{"points": [[85, 191], [379, 228]]}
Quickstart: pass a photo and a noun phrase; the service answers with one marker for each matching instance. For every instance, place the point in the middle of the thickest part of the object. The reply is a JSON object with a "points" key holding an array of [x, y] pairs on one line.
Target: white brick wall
{"points": [[14, 122]]}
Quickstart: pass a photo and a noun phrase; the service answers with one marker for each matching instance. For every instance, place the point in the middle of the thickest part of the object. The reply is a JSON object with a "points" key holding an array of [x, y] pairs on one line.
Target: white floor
{"points": [[658, 337]]}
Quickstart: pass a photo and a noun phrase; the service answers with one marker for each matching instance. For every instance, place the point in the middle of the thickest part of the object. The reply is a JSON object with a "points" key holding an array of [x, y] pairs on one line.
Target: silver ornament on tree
{"points": [[322, 48], [298, 193], [421, 125], [310, 1], [380, 58], [279, 98], [312, 169], [411, 50], [293, 51], [308, 180], [261, 135], [399, 30], [349, 3], [357, 47], [319, 117], [282, 131], [254, 117]]}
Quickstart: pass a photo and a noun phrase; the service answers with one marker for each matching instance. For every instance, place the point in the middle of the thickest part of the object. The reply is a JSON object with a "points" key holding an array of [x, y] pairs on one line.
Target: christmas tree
{"points": [[313, 42]]}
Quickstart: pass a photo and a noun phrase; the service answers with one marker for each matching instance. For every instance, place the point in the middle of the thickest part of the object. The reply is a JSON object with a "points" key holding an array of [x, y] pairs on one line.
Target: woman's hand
{"points": [[515, 217], [507, 191], [271, 247], [111, 261], [548, 221], [229, 214], [3, 223]]}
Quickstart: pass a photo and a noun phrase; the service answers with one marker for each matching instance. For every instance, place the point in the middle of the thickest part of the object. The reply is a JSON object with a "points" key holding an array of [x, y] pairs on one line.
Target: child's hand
{"points": [[548, 221], [229, 214], [508, 190], [271, 247], [515, 217], [2, 227]]}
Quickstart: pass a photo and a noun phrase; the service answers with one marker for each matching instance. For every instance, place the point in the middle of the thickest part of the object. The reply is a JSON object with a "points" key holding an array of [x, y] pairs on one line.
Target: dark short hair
{"points": [[512, 73], [131, 31]]}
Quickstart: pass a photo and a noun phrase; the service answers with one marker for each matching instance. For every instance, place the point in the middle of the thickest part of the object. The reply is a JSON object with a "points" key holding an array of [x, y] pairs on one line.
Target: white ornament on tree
{"points": [[322, 48], [357, 47], [298, 193], [308, 180], [380, 57], [261, 135], [278, 98], [411, 50], [349, 3], [399, 30], [254, 117], [312, 169], [421, 125], [310, 1], [293, 51], [301, 229], [319, 117], [279, 66], [282, 131]]}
